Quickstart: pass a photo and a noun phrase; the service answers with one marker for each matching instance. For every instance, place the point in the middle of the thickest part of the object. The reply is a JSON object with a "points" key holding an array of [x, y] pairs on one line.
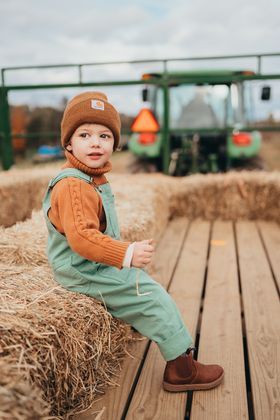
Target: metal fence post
{"points": [[165, 131], [6, 149]]}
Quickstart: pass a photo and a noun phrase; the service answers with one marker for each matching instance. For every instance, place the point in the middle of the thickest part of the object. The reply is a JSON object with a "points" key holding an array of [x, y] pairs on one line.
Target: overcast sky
{"points": [[65, 31]]}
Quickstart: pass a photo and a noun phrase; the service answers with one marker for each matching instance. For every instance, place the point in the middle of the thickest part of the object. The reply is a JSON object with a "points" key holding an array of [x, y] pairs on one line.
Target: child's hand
{"points": [[142, 255]]}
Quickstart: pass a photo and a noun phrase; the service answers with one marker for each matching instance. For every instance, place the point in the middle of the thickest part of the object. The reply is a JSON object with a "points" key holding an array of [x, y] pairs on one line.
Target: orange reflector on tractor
{"points": [[147, 138], [241, 139], [145, 122]]}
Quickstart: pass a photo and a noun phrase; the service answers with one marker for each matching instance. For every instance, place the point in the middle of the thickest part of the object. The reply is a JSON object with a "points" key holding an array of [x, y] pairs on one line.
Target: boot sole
{"points": [[192, 387]]}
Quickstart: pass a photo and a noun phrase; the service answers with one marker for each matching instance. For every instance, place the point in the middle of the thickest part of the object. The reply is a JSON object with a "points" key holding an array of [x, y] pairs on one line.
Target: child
{"points": [[88, 256]]}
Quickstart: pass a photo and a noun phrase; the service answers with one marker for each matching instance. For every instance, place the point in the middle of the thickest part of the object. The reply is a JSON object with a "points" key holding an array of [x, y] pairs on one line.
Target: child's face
{"points": [[92, 144]]}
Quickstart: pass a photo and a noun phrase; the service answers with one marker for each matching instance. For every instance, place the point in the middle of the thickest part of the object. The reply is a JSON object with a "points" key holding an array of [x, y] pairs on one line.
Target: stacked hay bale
{"points": [[141, 204], [231, 196], [19, 398], [21, 191], [64, 344]]}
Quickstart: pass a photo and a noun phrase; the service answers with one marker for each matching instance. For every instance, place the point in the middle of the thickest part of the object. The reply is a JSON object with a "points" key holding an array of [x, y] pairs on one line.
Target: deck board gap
{"points": [[206, 265], [245, 347], [268, 258], [199, 321], [198, 326], [238, 267], [248, 381], [136, 378], [179, 254], [189, 405], [239, 282], [190, 393]]}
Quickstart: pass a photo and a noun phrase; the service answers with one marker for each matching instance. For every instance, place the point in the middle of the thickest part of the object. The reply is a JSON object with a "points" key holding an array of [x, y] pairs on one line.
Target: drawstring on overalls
{"points": [[137, 286], [96, 186]]}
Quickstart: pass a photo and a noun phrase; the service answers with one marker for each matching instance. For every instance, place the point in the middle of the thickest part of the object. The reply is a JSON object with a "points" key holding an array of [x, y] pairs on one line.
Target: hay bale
{"points": [[234, 195], [231, 196], [141, 205], [21, 191], [18, 398], [25, 242], [65, 343]]}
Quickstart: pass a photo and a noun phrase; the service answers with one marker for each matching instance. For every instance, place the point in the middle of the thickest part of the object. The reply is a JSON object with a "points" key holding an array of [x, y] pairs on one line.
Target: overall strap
{"points": [[68, 172], [76, 173]]}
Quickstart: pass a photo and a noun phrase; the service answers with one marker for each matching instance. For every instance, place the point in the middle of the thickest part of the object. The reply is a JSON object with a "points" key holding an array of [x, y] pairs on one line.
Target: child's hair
{"points": [[90, 107]]}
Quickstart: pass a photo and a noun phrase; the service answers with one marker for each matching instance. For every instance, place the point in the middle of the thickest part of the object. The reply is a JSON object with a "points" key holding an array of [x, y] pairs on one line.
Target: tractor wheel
{"points": [[255, 163], [142, 166]]}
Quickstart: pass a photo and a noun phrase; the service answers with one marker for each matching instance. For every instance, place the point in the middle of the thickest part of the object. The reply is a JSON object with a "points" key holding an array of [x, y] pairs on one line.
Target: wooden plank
{"points": [[270, 232], [262, 319], [221, 332], [113, 403], [169, 250], [149, 400]]}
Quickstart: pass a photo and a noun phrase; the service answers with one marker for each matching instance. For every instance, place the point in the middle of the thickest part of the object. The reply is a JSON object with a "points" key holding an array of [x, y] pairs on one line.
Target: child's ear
{"points": [[69, 147]]}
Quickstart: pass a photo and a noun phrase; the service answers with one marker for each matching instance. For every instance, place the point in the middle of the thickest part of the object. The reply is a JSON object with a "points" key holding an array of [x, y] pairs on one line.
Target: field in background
{"points": [[120, 161], [270, 154]]}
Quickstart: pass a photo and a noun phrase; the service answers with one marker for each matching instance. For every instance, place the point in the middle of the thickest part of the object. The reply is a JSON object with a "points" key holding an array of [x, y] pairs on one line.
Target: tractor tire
{"points": [[142, 166], [255, 163]]}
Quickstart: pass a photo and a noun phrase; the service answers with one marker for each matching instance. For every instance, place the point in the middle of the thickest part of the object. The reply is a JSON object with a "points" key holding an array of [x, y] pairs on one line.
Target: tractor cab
{"points": [[206, 114]]}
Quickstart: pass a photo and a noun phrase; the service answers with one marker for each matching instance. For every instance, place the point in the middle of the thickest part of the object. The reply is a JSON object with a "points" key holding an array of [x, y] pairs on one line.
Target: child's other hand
{"points": [[143, 252]]}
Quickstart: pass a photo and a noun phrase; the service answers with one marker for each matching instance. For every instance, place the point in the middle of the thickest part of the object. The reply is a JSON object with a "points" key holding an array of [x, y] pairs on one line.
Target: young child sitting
{"points": [[88, 256]]}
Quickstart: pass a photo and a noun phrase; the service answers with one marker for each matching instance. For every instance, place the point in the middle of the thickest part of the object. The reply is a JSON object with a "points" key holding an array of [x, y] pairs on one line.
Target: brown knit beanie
{"points": [[90, 107]]}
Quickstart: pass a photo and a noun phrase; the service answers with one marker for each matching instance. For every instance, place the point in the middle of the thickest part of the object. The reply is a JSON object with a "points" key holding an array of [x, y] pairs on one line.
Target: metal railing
{"points": [[5, 128]]}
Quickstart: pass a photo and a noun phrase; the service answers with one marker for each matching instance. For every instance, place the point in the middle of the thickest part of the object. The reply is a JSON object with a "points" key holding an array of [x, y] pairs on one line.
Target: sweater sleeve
{"points": [[75, 206]]}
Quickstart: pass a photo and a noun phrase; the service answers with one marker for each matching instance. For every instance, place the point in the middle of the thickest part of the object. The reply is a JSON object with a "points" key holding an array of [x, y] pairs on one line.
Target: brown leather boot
{"points": [[186, 374]]}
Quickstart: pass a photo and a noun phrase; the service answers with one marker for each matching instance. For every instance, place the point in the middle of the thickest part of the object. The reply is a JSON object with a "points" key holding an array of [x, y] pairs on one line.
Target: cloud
{"points": [[67, 31]]}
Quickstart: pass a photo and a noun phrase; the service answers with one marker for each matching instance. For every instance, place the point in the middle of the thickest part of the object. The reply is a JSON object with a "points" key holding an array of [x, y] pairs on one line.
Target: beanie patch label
{"points": [[96, 104]]}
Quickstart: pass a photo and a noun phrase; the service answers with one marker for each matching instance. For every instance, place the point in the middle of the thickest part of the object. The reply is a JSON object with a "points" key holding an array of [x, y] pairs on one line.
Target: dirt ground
{"points": [[269, 154], [122, 161]]}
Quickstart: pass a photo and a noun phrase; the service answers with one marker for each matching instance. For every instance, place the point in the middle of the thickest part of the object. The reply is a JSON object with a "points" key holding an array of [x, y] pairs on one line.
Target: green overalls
{"points": [[130, 293]]}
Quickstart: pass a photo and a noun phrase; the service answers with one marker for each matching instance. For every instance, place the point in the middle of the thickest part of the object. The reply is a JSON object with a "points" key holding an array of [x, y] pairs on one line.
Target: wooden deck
{"points": [[225, 279]]}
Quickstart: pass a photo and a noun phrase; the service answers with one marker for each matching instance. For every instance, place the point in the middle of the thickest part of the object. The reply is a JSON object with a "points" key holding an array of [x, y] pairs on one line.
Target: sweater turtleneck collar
{"points": [[72, 161]]}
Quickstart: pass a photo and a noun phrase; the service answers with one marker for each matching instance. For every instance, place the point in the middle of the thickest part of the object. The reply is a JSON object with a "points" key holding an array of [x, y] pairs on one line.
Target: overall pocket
{"points": [[76, 274], [84, 267]]}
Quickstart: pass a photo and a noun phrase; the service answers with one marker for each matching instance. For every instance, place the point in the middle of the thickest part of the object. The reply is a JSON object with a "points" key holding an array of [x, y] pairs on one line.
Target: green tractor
{"points": [[203, 116]]}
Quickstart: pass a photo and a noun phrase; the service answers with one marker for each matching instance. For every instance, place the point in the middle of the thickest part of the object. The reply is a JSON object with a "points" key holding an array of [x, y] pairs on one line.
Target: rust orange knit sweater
{"points": [[77, 212]]}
